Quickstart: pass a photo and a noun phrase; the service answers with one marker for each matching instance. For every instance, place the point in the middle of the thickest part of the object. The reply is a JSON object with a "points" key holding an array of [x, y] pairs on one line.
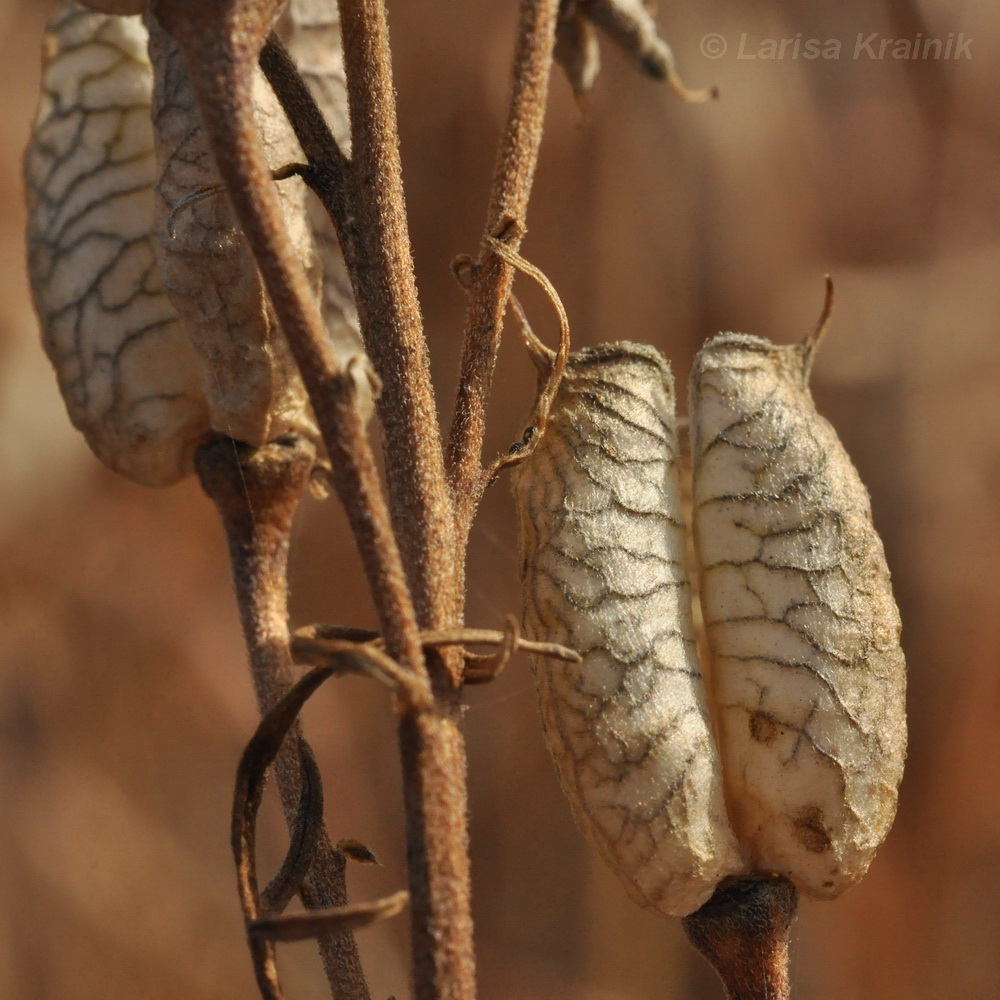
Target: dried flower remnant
{"points": [[808, 677], [125, 367], [602, 547], [631, 26], [577, 51]]}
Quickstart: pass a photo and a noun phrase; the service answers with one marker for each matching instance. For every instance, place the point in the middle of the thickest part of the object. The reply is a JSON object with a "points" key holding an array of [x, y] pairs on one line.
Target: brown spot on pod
{"points": [[763, 728], [811, 832]]}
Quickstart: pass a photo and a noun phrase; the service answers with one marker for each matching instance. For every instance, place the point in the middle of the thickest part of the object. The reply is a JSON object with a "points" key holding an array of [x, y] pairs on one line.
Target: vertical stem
{"points": [[743, 931], [256, 493], [432, 746], [432, 750], [389, 315], [512, 180]]}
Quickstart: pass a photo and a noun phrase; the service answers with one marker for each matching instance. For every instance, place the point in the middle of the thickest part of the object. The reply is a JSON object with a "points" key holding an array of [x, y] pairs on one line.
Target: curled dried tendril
{"points": [[552, 364], [317, 645], [265, 922]]}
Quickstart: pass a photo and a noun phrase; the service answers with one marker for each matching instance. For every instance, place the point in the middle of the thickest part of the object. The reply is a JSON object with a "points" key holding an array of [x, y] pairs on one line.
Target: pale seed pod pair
{"points": [[151, 307], [787, 760]]}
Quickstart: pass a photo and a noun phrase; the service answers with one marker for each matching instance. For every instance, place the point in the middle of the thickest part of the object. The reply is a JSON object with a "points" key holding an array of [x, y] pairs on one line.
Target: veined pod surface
{"points": [[807, 673], [125, 367], [602, 550], [248, 374]]}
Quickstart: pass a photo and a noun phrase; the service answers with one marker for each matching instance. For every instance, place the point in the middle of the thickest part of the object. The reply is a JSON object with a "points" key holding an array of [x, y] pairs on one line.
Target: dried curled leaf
{"points": [[807, 672], [602, 547], [125, 367]]}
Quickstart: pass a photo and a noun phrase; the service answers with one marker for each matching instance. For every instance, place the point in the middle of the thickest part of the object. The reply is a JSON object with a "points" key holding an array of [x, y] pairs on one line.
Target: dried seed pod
{"points": [[807, 676], [248, 373], [125, 367], [602, 548]]}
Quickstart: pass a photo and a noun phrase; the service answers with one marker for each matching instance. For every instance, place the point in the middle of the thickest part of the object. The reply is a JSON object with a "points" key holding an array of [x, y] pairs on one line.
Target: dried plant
{"points": [[221, 265]]}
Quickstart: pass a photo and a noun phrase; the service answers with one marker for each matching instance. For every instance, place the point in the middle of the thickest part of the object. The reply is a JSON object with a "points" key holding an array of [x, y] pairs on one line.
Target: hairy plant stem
{"points": [[389, 314], [256, 492], [492, 277], [432, 747], [743, 931]]}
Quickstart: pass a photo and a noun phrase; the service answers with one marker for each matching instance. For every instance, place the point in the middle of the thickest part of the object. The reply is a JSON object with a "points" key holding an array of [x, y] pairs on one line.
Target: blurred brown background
{"points": [[124, 700]]}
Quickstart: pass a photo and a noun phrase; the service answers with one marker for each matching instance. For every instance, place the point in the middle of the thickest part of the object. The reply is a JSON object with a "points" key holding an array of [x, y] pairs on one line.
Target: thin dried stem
{"points": [[364, 197], [812, 340], [493, 276], [350, 200], [432, 747], [256, 493], [743, 931], [328, 172]]}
